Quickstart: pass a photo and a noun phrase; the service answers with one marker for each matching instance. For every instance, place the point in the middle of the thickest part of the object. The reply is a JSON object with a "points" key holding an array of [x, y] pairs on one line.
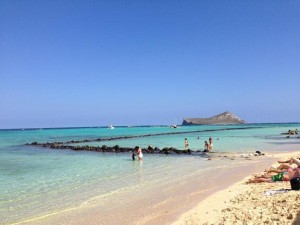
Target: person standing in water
{"points": [[139, 152], [186, 144], [133, 156], [210, 140]]}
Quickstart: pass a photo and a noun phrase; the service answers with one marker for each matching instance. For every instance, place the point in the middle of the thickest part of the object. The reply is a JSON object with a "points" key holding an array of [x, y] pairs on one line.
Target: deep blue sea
{"points": [[36, 182]]}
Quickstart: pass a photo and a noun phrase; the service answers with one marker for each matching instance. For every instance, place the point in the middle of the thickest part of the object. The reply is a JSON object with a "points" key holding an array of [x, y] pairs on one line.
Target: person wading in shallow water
{"points": [[206, 147], [210, 141], [139, 152], [133, 156], [186, 144]]}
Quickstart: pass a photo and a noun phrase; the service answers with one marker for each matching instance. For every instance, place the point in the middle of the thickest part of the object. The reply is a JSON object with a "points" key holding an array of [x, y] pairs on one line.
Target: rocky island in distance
{"points": [[223, 118]]}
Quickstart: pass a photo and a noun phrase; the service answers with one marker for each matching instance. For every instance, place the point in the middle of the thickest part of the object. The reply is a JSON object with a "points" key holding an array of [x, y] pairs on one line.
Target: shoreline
{"points": [[85, 186], [186, 210], [241, 203], [187, 196]]}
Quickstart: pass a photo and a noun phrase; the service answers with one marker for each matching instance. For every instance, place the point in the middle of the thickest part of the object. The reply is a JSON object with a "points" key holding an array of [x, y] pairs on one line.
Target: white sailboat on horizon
{"points": [[111, 127]]}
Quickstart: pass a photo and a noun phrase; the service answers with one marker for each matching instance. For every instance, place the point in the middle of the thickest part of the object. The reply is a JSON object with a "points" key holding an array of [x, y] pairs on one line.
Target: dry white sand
{"points": [[244, 203]]}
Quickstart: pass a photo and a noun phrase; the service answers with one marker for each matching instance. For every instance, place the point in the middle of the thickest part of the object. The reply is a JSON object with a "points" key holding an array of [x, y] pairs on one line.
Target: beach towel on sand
{"points": [[274, 192]]}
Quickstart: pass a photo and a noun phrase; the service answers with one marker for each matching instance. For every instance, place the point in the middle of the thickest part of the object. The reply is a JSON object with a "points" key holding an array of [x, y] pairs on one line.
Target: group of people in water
{"points": [[139, 152], [292, 132], [208, 145], [284, 172]]}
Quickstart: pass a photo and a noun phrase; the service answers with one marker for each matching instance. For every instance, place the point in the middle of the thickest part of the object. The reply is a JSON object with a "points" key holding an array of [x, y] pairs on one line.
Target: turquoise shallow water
{"points": [[36, 181]]}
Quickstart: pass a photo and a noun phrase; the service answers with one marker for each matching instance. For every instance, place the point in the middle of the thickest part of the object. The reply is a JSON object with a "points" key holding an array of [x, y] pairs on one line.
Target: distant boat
{"points": [[111, 127], [173, 126]]}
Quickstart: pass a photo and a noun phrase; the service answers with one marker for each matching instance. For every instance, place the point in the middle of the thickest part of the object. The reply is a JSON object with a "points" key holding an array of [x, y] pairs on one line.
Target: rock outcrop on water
{"points": [[70, 145], [223, 118], [114, 149]]}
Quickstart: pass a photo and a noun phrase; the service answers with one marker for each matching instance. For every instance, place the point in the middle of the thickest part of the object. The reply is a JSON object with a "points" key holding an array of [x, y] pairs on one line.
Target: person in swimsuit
{"points": [[133, 156], [206, 147], [282, 176], [139, 152], [210, 140], [186, 144], [291, 161], [280, 168]]}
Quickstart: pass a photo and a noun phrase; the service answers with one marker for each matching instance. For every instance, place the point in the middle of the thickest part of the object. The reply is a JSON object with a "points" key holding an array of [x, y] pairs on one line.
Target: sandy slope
{"points": [[244, 203]]}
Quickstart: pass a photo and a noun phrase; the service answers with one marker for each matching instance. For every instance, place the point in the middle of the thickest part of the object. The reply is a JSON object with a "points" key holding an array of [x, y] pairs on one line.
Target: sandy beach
{"points": [[242, 203]]}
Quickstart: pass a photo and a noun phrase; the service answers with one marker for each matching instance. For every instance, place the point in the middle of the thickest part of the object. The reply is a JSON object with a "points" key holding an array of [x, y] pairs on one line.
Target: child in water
{"points": [[133, 156]]}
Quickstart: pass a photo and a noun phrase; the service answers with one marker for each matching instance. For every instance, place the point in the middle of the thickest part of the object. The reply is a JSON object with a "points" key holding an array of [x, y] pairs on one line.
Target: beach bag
{"points": [[295, 183]]}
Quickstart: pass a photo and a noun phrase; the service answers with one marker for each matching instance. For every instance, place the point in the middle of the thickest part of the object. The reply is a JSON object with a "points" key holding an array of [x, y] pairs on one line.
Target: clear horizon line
{"points": [[145, 125]]}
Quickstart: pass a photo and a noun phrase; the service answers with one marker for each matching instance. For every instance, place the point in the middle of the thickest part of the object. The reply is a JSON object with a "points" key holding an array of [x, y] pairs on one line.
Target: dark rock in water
{"points": [[104, 148], [150, 148], [223, 118], [116, 147], [165, 151], [177, 151]]}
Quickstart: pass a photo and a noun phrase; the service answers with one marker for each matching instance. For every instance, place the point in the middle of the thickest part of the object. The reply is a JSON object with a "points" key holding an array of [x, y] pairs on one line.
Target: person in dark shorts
{"points": [[133, 156]]}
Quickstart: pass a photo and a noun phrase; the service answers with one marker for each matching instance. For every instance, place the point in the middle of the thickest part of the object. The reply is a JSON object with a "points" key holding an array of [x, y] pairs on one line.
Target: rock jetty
{"points": [[115, 149], [223, 118]]}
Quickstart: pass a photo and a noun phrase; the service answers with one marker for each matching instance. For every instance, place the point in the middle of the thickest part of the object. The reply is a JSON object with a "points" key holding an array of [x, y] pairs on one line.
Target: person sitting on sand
{"points": [[282, 176], [206, 147]]}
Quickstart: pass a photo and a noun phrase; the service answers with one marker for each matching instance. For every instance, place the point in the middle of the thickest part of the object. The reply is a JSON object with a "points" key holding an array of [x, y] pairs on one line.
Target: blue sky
{"points": [[92, 63]]}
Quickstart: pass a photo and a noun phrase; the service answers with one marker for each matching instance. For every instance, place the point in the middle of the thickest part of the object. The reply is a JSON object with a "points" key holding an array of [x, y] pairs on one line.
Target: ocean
{"points": [[38, 184]]}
